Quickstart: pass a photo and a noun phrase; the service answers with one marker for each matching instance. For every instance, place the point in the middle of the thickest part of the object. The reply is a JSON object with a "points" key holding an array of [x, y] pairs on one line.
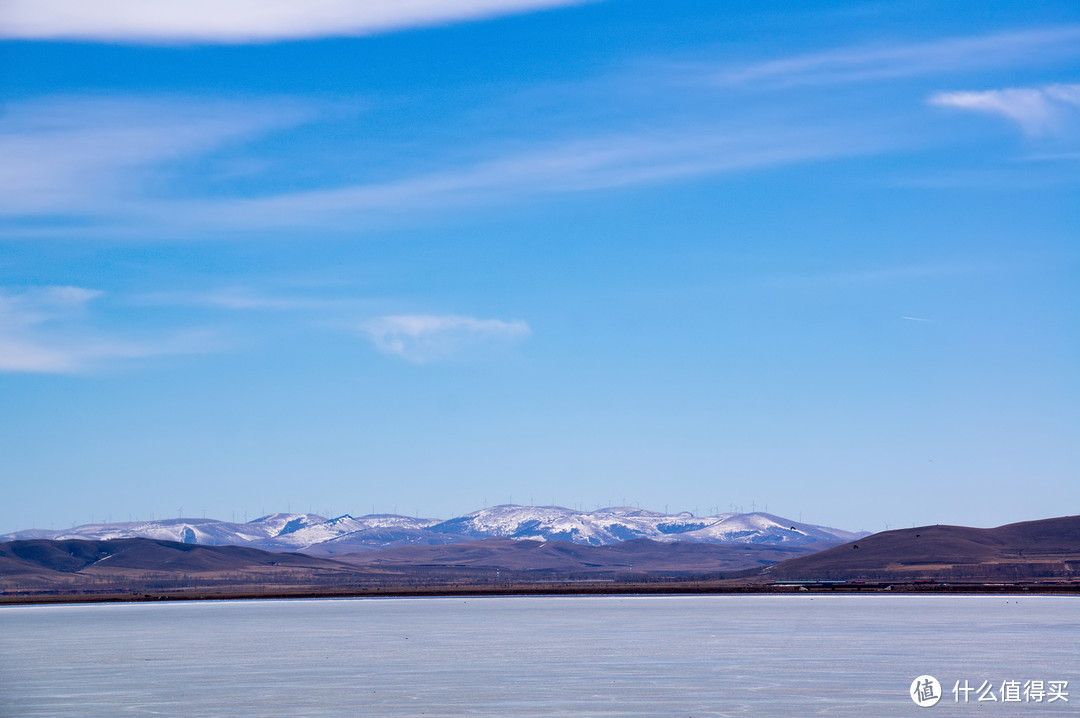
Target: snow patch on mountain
{"points": [[210, 532], [344, 526], [311, 532], [621, 523]]}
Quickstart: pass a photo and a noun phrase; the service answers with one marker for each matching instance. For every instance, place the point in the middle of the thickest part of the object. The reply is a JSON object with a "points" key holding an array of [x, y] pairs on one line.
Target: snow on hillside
{"points": [[296, 532], [202, 531], [281, 524], [346, 525], [615, 524], [763, 528]]}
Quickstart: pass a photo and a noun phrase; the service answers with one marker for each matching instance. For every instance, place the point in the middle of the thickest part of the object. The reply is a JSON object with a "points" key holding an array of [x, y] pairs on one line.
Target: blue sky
{"points": [[816, 256]]}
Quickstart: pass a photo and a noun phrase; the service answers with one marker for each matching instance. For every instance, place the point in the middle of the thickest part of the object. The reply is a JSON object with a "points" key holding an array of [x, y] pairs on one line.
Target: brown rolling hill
{"points": [[136, 565], [562, 557], [73, 561], [1048, 549]]}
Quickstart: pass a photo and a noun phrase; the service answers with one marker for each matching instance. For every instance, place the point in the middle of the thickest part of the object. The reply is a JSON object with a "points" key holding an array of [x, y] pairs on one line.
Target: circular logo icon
{"points": [[925, 691]]}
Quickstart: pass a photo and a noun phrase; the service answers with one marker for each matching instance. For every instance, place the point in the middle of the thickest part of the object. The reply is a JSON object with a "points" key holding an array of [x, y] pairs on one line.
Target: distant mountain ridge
{"points": [[313, 533], [1043, 555]]}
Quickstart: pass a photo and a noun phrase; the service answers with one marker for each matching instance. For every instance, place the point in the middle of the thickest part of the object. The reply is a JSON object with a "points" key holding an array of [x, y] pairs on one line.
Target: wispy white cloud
{"points": [[916, 319], [113, 166], [865, 64], [573, 166], [423, 338], [45, 330], [97, 156], [239, 21], [416, 338], [1037, 110]]}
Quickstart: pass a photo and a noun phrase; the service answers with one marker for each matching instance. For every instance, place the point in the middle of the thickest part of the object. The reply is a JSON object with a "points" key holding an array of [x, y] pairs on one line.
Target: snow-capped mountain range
{"points": [[312, 533]]}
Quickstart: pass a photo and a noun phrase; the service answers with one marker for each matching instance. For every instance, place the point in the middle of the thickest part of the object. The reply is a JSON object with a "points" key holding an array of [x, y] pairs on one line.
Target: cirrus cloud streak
{"points": [[886, 62], [240, 21], [423, 338], [1037, 110], [46, 330]]}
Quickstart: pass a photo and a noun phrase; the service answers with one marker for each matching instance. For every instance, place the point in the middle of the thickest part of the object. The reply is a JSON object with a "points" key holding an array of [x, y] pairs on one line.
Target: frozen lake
{"points": [[756, 655]]}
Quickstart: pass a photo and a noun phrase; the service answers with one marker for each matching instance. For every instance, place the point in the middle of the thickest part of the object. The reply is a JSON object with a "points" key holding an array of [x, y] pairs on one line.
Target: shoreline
{"points": [[241, 593]]}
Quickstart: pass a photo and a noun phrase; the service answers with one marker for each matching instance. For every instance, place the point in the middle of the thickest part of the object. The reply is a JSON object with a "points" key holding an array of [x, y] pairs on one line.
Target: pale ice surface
{"points": [[843, 655]]}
